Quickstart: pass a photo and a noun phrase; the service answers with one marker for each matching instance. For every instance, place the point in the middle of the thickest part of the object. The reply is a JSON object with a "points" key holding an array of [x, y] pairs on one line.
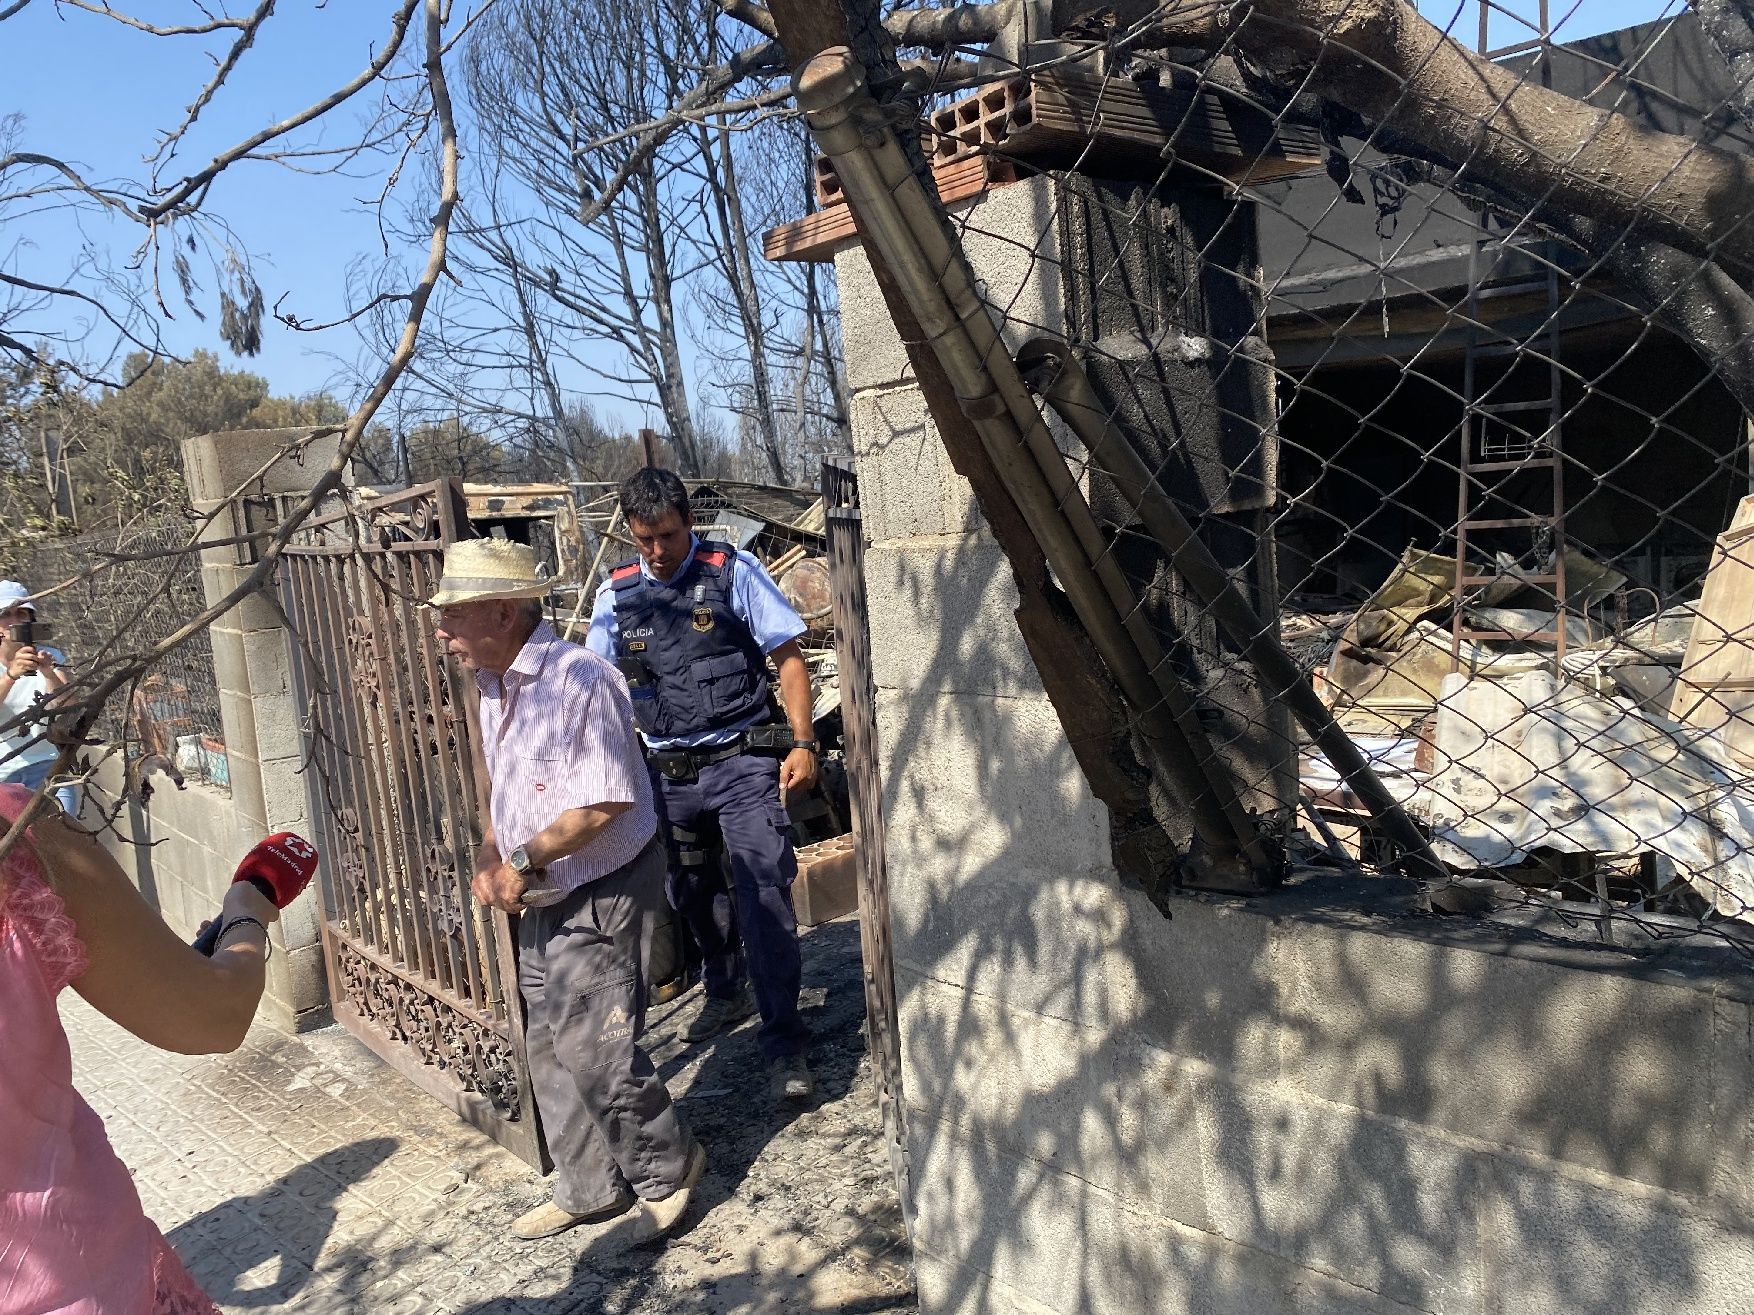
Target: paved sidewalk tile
{"points": [[301, 1174]]}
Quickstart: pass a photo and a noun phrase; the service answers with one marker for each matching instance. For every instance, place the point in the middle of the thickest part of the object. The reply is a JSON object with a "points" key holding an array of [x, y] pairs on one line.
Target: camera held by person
{"points": [[31, 673]]}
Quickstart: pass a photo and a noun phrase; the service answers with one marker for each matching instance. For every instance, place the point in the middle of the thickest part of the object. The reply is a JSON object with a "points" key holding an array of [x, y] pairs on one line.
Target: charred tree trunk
{"points": [[540, 367], [1383, 61], [818, 333], [818, 339], [663, 338], [1693, 299]]}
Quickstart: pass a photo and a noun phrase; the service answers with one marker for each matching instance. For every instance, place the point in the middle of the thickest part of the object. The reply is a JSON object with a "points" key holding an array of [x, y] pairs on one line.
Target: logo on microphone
{"points": [[301, 849]]}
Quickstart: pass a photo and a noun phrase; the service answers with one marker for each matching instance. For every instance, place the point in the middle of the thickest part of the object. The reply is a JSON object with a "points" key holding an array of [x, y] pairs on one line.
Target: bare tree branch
{"points": [[750, 14], [765, 58], [184, 191], [30, 285], [959, 25], [963, 25], [23, 159], [679, 117], [153, 29], [74, 722], [246, 38]]}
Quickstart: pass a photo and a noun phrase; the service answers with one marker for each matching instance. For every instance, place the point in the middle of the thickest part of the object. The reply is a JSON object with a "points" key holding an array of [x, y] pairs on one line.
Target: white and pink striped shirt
{"points": [[557, 733]]}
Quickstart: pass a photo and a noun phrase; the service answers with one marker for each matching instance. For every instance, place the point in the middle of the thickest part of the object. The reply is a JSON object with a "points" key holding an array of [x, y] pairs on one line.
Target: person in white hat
{"points": [[570, 847], [32, 673]]}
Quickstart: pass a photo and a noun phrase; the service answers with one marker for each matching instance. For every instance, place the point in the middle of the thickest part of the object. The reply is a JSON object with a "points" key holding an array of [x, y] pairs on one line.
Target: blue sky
{"points": [[1571, 19], [302, 230], [96, 93]]}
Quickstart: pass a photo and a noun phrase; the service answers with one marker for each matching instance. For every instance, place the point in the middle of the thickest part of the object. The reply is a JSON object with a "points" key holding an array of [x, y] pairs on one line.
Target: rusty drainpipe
{"points": [[891, 208], [1053, 372]]}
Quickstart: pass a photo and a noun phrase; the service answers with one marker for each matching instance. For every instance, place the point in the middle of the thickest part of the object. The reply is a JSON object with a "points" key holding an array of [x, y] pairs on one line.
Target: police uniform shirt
{"points": [[755, 600]]}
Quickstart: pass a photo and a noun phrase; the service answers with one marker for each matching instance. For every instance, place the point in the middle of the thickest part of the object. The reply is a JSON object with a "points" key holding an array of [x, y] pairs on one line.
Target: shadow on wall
{"points": [[1314, 1101]]}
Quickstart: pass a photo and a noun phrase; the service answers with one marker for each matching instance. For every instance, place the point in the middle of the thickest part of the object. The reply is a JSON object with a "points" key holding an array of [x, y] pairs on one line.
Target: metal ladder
{"points": [[1494, 450]]}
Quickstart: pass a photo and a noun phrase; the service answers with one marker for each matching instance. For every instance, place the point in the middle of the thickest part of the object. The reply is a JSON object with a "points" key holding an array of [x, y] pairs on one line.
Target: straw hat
{"points": [[490, 568]]}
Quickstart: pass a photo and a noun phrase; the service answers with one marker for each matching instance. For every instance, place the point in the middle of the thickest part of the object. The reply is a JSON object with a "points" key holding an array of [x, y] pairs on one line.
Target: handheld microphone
{"points": [[280, 867]]}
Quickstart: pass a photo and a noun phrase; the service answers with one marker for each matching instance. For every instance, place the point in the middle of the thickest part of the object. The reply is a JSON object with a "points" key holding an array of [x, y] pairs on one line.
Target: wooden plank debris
{"points": [[1715, 690]]}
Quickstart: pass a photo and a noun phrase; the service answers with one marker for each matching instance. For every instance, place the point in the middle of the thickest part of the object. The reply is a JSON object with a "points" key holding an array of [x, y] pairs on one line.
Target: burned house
{"points": [[1397, 309], [1325, 1098]]}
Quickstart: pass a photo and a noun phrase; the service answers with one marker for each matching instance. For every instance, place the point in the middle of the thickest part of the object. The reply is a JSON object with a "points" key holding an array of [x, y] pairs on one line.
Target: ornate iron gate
{"points": [[417, 970]]}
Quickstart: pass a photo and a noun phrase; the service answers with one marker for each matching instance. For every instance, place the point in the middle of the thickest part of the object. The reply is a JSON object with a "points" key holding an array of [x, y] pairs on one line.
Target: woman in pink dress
{"points": [[73, 1237]]}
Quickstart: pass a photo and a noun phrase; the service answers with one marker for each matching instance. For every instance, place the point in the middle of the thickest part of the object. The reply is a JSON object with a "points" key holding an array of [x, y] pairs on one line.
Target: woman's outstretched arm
{"points": [[141, 975]]}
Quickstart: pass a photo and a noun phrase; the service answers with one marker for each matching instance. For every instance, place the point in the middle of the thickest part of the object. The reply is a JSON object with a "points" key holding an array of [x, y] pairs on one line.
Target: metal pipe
{"points": [[893, 211], [1061, 381]]}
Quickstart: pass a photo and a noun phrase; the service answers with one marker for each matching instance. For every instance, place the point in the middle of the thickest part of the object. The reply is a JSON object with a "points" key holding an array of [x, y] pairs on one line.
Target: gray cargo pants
{"points": [[582, 971]]}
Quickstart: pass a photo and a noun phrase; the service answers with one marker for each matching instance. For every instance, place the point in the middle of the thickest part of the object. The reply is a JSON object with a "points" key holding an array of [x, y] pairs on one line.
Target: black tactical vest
{"points": [[691, 663]]}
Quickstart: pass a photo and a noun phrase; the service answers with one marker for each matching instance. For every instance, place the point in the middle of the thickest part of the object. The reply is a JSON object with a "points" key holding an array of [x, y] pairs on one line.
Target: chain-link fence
{"points": [[1399, 397], [146, 590]]}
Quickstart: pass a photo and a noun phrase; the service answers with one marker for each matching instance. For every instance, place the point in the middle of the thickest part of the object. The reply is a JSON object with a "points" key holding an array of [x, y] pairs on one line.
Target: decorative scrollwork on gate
{"points": [[355, 878], [447, 911], [362, 655], [441, 726], [475, 1057]]}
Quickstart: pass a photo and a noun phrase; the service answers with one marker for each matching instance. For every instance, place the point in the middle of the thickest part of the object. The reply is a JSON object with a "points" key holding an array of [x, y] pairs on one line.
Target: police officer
{"points": [[692, 625]]}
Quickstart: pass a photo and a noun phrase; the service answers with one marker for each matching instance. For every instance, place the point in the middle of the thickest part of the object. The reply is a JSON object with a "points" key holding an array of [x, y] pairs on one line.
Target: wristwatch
{"points": [[815, 746], [536, 890]]}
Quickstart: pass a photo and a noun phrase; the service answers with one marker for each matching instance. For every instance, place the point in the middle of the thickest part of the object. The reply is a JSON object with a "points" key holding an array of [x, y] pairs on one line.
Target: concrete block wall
{"points": [[1310, 1104], [252, 663], [179, 848]]}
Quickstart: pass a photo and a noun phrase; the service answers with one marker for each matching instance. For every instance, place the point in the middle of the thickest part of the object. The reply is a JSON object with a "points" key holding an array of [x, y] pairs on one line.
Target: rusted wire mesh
{"points": [[124, 608], [1476, 451]]}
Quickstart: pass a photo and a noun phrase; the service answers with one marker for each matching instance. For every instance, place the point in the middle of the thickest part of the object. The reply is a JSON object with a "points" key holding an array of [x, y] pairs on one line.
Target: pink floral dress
{"points": [[73, 1237]]}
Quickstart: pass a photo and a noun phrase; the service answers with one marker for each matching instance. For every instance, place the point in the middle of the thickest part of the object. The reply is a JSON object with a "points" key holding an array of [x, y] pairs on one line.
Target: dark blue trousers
{"points": [[751, 929]]}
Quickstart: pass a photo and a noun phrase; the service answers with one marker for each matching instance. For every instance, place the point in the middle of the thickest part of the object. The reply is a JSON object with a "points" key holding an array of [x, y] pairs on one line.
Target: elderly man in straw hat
{"points": [[570, 846]]}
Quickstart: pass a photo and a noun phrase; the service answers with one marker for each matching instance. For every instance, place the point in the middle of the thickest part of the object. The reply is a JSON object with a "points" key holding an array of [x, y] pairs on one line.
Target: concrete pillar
{"points": [[252, 664]]}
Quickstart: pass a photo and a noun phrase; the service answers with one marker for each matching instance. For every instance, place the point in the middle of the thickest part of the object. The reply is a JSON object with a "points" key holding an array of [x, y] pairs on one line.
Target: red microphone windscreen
{"points": [[285, 862]]}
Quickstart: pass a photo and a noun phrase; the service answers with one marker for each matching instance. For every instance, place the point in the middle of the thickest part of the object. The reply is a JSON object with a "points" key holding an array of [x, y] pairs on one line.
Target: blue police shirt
{"points": [[755, 600]]}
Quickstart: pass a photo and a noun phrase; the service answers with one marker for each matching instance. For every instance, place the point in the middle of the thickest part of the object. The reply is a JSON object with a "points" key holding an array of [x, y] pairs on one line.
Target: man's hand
{"points": [[499, 888], [797, 772], [26, 662], [486, 860]]}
